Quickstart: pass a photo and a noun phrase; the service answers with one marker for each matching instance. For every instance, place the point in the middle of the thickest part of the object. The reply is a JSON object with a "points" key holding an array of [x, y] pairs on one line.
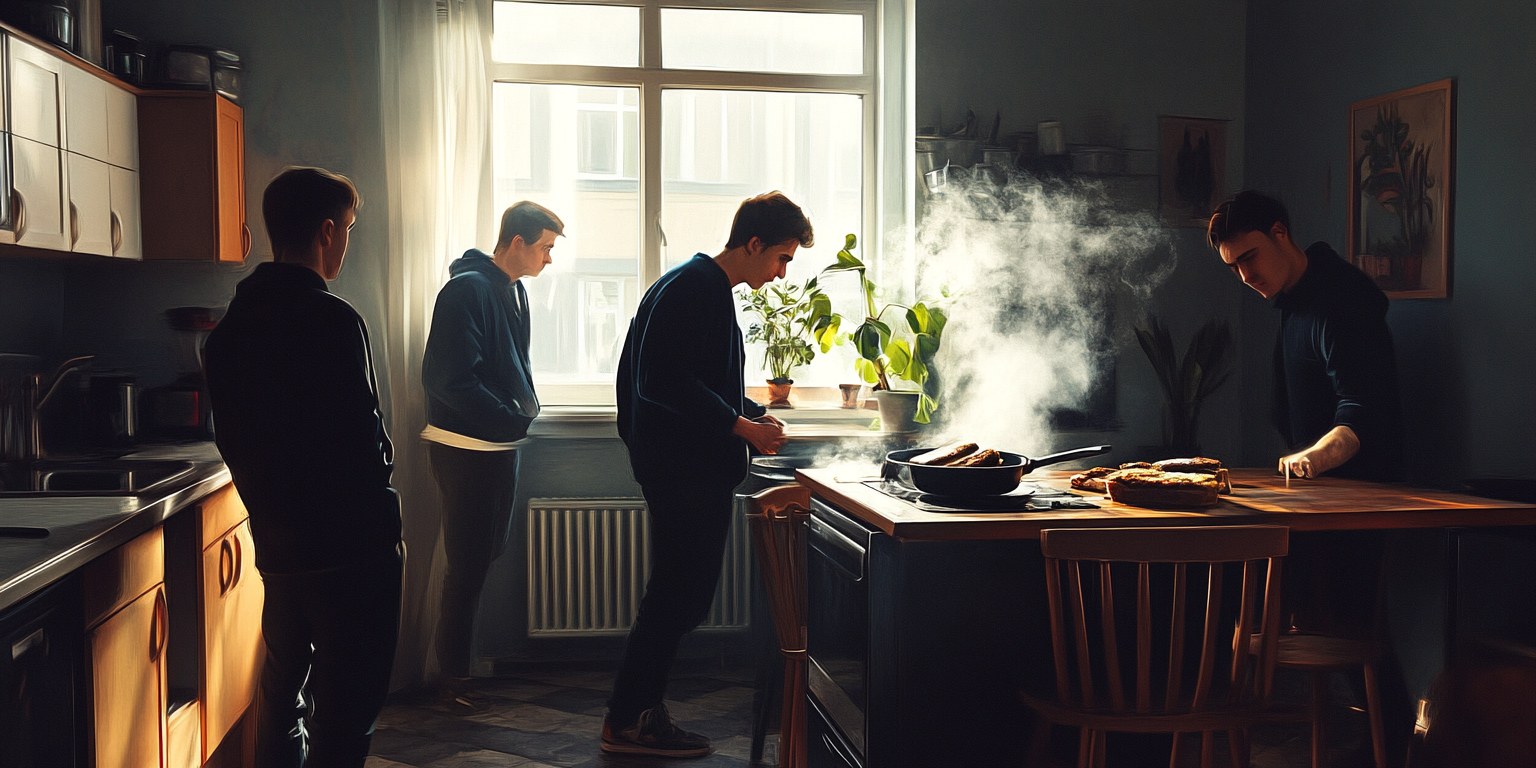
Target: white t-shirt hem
{"points": [[456, 440]]}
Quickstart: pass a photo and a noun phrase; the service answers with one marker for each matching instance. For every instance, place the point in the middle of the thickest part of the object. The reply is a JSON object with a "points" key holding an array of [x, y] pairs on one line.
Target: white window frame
{"points": [[651, 79]]}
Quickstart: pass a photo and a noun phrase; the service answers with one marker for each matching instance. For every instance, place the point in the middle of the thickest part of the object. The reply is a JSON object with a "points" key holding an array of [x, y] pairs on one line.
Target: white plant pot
{"points": [[897, 410]]}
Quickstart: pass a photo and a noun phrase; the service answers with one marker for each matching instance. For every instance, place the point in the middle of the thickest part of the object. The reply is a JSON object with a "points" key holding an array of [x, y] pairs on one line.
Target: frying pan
{"points": [[975, 481]]}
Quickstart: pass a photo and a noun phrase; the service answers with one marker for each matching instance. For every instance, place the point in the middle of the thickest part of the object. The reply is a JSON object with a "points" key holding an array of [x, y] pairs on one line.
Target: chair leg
{"points": [[1319, 710], [1100, 741], [1207, 749], [1085, 742], [1173, 754], [1373, 703], [1039, 743], [1237, 748]]}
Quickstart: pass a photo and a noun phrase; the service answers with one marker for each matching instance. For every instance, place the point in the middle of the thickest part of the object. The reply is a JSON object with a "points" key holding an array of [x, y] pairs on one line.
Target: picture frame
{"points": [[1192, 169], [1401, 189]]}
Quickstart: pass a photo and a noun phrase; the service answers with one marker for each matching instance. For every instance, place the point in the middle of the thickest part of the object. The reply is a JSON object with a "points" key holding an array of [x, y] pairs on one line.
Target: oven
{"points": [[838, 634]]}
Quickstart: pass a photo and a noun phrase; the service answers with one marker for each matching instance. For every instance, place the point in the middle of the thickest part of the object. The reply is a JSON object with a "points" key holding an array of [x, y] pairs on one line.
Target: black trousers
{"points": [[478, 488], [688, 531], [330, 635]]}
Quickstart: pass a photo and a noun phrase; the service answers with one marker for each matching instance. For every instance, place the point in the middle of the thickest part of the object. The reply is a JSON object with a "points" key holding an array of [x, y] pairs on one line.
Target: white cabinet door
{"points": [[85, 101], [127, 243], [90, 205], [122, 128], [37, 93], [41, 214]]}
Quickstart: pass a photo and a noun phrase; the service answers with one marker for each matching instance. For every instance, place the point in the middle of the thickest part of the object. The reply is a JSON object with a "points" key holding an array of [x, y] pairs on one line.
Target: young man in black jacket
{"points": [[291, 379], [685, 418], [480, 401]]}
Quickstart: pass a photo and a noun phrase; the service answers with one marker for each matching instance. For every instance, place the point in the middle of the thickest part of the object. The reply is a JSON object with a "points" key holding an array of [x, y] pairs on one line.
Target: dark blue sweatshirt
{"points": [[476, 372], [680, 381], [297, 419], [1335, 366]]}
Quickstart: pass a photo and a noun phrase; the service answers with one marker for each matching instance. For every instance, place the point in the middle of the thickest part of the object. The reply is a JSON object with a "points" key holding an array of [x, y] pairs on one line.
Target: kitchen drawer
{"points": [[222, 511], [117, 578]]}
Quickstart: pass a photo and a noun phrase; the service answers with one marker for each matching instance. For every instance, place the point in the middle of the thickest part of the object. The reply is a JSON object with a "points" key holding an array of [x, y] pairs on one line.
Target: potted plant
{"points": [[886, 355], [788, 318], [1186, 383]]}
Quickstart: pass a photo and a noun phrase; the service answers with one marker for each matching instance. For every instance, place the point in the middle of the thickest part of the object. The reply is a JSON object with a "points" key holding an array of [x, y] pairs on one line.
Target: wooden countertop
{"points": [[1259, 498]]}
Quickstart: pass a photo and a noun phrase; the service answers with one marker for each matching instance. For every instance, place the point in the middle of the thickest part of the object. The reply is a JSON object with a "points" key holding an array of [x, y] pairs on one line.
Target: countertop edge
{"points": [[154, 510]]}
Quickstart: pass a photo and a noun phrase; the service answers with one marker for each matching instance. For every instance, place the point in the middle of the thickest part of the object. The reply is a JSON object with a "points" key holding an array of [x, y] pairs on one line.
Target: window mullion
{"points": [[650, 146]]}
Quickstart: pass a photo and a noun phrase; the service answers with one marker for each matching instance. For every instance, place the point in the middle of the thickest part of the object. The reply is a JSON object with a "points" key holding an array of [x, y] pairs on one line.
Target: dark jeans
{"points": [[688, 530], [332, 634], [478, 488]]}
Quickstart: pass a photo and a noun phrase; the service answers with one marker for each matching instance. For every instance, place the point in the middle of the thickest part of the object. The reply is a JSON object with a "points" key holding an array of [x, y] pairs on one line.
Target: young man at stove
{"points": [[687, 423], [1335, 404], [480, 401], [290, 375]]}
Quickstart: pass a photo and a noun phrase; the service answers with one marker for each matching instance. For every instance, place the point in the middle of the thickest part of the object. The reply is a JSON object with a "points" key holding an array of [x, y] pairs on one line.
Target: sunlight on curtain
{"points": [[436, 94]]}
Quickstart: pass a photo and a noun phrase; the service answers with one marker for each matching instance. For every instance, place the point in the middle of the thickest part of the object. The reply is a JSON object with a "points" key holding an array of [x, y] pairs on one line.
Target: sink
{"points": [[112, 477]]}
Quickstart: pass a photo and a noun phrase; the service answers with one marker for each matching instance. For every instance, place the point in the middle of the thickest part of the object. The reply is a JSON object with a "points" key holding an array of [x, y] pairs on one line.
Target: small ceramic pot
{"points": [[778, 393]]}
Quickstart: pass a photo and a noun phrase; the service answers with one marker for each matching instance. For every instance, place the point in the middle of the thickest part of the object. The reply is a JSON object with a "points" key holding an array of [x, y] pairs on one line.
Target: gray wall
{"points": [[1107, 70], [1466, 366]]}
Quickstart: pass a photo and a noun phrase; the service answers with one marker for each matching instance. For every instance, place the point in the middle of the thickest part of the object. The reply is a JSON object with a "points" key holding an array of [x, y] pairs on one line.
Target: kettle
{"points": [[22, 397]]}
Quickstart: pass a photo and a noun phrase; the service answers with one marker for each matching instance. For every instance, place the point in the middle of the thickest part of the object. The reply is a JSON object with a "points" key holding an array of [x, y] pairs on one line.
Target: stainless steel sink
{"points": [[111, 477]]}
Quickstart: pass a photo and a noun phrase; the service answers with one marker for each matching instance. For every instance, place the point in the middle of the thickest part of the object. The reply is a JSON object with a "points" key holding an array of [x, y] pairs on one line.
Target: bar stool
{"points": [[778, 519]]}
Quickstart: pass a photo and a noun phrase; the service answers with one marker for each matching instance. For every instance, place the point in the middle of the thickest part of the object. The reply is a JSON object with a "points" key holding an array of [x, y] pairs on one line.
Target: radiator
{"points": [[588, 560]]}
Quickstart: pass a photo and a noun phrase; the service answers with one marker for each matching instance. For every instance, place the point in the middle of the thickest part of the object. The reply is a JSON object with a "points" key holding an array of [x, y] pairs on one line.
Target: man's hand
{"points": [[768, 418], [1331, 450], [767, 437]]}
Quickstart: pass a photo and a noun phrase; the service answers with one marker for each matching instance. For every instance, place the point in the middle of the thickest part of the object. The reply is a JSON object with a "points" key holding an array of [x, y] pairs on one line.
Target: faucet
{"points": [[27, 445]]}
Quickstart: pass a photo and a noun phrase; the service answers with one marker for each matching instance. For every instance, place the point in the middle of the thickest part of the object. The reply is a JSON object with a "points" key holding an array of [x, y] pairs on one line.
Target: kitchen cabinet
{"points": [[40, 213], [85, 104], [127, 627], [37, 108], [192, 177], [125, 222], [38, 678], [90, 205], [232, 597]]}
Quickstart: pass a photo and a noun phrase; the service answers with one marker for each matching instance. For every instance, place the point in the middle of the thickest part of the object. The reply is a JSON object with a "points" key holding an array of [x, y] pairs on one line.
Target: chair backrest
{"points": [[1079, 556]]}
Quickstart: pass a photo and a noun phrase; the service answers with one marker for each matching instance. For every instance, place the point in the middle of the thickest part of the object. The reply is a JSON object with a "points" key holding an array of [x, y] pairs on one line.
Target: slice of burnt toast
{"points": [[944, 454]]}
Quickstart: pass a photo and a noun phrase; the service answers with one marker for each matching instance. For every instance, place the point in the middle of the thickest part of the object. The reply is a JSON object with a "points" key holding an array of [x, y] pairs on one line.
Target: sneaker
{"points": [[654, 734]]}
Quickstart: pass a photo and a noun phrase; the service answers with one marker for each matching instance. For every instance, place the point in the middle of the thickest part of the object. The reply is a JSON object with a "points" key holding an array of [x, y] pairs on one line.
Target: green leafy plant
{"points": [[1394, 171], [884, 353], [1186, 383], [789, 317]]}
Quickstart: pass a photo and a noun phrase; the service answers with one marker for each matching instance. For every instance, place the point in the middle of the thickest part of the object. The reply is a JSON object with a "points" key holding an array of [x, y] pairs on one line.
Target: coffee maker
{"points": [[180, 410]]}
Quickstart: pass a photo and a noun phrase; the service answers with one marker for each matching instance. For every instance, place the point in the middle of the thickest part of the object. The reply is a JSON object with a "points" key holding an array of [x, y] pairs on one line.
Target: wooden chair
{"points": [[1318, 655], [1078, 562], [778, 519]]}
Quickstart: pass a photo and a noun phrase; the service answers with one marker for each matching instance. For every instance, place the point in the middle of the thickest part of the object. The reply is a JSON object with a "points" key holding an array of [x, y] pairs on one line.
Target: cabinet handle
{"points": [[239, 569], [245, 241], [19, 208], [158, 629], [117, 233], [74, 224], [226, 567]]}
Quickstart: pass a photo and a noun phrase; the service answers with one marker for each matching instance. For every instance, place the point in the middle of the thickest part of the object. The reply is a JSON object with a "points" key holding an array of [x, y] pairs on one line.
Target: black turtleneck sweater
{"points": [[296, 416], [1334, 365]]}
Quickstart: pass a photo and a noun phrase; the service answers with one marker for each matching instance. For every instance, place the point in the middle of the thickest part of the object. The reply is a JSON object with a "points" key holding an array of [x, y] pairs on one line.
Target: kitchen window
{"points": [[643, 127]]}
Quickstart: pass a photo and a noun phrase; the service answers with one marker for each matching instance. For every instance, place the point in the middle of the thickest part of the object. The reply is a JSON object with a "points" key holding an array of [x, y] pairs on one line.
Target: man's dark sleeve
{"points": [[352, 404], [1358, 356], [752, 409], [455, 350], [676, 344]]}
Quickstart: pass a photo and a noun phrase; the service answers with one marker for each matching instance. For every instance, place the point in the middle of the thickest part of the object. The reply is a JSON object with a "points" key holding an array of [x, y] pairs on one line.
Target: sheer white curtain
{"points": [[436, 99]]}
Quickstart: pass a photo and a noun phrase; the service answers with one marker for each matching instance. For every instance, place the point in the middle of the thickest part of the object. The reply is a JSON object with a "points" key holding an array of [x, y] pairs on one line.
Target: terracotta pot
{"points": [[898, 410], [850, 394], [778, 393]]}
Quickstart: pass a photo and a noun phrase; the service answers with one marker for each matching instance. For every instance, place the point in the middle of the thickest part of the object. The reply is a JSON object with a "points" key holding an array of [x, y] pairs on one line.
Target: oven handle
{"points": [[824, 535]]}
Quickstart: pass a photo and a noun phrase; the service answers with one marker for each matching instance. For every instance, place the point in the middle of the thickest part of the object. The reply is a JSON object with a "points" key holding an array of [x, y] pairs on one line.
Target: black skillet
{"points": [[974, 481]]}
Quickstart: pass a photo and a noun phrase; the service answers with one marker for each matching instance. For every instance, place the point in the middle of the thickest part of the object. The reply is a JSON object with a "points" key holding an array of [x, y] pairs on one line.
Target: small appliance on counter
{"points": [[180, 410]]}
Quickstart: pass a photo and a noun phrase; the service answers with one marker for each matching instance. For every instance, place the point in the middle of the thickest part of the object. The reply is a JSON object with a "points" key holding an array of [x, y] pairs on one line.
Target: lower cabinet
{"points": [[232, 647], [127, 626]]}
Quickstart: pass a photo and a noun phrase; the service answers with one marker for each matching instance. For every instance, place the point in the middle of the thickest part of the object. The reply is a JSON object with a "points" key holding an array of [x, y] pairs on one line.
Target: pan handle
{"points": [[1072, 455]]}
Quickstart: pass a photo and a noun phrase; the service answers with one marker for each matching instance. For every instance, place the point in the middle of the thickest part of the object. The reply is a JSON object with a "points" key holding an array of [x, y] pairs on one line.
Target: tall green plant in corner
{"points": [[1186, 383], [885, 354]]}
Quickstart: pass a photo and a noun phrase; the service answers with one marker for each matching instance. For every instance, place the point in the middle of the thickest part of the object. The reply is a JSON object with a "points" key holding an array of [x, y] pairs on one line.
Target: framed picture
{"points": [[1401, 165], [1192, 165]]}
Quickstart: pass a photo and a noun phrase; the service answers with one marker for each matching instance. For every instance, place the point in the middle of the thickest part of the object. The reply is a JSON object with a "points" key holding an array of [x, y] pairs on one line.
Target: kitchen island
{"points": [[924, 625]]}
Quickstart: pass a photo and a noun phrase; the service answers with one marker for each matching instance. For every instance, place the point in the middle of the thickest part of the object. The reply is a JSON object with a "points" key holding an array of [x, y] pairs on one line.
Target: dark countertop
{"points": [[80, 529]]}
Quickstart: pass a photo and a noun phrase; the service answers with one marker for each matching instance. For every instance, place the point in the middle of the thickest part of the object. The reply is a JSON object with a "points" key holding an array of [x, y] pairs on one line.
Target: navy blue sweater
{"points": [[297, 411], [680, 381], [476, 372], [1334, 365]]}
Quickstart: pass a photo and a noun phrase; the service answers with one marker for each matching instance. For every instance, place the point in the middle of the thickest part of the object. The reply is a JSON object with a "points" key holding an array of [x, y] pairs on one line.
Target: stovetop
{"points": [[1028, 497]]}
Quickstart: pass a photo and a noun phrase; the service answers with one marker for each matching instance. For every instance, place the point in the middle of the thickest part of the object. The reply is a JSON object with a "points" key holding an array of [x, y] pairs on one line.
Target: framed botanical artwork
{"points": [[1192, 165], [1402, 161]]}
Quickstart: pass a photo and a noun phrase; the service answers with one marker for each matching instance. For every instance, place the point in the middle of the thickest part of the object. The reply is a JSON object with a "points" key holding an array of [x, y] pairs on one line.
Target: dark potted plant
{"points": [[1186, 383], [789, 318], [886, 354]]}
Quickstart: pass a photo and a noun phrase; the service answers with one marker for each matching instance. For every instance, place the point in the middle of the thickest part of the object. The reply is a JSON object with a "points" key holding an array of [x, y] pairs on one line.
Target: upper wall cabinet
{"points": [[192, 176], [37, 93]]}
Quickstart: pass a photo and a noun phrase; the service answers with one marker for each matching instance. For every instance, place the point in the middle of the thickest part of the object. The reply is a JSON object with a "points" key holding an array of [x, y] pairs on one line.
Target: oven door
{"points": [[837, 620]]}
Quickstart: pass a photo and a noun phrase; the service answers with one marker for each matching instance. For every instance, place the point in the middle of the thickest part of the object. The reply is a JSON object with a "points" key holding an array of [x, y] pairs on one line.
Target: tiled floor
{"points": [[551, 716]]}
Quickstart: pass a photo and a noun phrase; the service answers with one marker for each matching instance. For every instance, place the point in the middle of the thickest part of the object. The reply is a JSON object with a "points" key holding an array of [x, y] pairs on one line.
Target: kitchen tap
{"points": [[20, 410]]}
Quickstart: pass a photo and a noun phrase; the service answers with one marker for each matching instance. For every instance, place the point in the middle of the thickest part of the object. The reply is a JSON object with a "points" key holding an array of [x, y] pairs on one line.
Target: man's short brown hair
{"points": [[528, 219], [298, 199], [771, 218], [1244, 212]]}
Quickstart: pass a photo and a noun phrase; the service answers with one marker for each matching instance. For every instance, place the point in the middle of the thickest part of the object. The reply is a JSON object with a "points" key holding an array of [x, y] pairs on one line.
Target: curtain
{"points": [[436, 107]]}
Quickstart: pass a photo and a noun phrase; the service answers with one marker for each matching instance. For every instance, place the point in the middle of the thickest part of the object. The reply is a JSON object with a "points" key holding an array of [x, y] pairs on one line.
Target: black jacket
{"points": [[476, 372], [296, 412], [1335, 366], [680, 381]]}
